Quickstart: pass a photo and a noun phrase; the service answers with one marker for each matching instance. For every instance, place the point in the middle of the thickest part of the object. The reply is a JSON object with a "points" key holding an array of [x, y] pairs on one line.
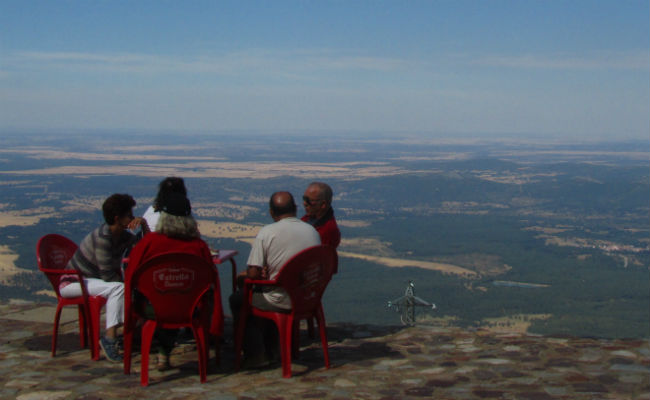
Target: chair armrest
{"points": [[249, 283], [61, 271], [264, 282]]}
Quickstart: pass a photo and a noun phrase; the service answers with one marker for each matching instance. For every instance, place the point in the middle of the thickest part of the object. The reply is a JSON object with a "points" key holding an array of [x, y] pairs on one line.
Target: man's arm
{"points": [[139, 222], [252, 272]]}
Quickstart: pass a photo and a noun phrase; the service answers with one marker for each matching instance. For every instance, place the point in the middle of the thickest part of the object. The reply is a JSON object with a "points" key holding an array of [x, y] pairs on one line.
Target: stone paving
{"points": [[368, 362]]}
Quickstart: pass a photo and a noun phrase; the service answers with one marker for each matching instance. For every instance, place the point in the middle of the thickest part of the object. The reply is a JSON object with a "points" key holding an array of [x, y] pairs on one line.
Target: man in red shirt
{"points": [[317, 201]]}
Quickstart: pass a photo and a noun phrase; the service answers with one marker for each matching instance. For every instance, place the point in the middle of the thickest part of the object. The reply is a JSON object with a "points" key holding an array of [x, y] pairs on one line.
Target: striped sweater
{"points": [[100, 256]]}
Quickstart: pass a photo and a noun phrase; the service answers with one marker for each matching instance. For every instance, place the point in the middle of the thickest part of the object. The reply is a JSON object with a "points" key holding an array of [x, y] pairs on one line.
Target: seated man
{"points": [[274, 245], [177, 232], [99, 259], [317, 201]]}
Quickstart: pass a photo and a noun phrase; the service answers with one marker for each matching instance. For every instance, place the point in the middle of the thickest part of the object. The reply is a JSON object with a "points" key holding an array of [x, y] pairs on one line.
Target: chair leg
{"points": [[55, 330], [147, 335], [322, 331], [94, 329], [200, 338], [83, 327], [295, 341], [285, 331], [128, 346], [239, 337]]}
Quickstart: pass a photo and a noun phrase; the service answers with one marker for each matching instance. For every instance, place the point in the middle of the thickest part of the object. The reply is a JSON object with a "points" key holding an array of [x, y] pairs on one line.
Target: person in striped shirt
{"points": [[99, 259]]}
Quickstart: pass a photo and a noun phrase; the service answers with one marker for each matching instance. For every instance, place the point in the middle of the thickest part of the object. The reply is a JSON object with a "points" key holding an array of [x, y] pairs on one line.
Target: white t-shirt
{"points": [[152, 218], [275, 244]]}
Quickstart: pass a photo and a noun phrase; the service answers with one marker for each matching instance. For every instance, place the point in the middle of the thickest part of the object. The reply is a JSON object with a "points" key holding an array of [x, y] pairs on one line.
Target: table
{"points": [[221, 256]]}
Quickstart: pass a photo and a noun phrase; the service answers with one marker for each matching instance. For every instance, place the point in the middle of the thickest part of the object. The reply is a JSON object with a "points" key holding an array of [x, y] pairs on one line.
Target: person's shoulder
{"points": [[201, 243], [102, 231], [331, 223], [152, 236], [303, 223], [267, 230], [296, 223], [149, 213], [307, 229]]}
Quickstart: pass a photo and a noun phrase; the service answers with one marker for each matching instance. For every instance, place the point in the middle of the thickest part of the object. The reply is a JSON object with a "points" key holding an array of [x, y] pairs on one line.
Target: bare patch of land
{"points": [[428, 318], [368, 246], [515, 323], [193, 166], [456, 207], [605, 245], [44, 153], [47, 292], [216, 169], [245, 233], [484, 264], [550, 231], [222, 210], [7, 266], [27, 217], [353, 223], [512, 179], [400, 263], [83, 204]]}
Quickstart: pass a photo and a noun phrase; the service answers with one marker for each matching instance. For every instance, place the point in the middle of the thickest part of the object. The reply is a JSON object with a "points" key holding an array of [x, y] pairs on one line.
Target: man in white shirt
{"points": [[274, 245]]}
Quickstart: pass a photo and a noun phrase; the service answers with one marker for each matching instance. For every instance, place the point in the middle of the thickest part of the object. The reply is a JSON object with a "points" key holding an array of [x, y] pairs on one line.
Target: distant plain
{"points": [[454, 215]]}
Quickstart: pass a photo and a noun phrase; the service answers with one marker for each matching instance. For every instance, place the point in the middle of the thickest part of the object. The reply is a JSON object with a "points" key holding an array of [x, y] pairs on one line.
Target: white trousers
{"points": [[112, 291]]}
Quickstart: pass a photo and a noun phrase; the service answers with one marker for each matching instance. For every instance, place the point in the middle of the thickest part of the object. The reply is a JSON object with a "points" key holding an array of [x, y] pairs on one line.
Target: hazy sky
{"points": [[569, 68]]}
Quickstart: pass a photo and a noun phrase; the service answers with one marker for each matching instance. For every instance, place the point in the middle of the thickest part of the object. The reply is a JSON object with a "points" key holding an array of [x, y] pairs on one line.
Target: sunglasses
{"points": [[309, 201]]}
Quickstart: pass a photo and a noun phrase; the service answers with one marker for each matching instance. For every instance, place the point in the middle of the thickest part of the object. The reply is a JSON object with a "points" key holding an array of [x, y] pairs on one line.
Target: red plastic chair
{"points": [[310, 321], [304, 277], [175, 284], [53, 253]]}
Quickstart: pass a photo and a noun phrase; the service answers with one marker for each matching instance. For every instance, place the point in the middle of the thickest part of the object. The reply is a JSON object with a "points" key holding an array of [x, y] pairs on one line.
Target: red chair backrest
{"points": [[174, 284], [53, 253], [305, 277]]}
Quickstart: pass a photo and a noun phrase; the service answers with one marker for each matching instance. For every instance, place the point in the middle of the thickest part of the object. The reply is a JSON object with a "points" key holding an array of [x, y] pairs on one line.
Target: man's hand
{"points": [[251, 272], [255, 272], [139, 222]]}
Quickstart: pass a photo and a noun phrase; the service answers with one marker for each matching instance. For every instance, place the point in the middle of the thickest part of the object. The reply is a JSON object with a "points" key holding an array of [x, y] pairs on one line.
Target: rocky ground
{"points": [[367, 363]]}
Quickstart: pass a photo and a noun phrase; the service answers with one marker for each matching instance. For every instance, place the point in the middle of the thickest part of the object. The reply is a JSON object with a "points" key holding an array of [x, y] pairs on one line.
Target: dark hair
{"points": [[175, 204], [117, 205], [171, 184], [281, 208]]}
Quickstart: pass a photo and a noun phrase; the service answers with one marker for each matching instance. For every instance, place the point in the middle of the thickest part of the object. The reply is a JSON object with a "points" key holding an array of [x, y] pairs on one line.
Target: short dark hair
{"points": [[171, 184], [284, 208], [117, 205]]}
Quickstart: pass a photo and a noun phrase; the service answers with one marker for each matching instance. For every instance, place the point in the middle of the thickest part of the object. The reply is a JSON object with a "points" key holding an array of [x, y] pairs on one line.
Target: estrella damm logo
{"points": [[173, 278]]}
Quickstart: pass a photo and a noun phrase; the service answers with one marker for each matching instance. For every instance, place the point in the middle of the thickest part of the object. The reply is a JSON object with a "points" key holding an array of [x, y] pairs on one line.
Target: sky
{"points": [[577, 69]]}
